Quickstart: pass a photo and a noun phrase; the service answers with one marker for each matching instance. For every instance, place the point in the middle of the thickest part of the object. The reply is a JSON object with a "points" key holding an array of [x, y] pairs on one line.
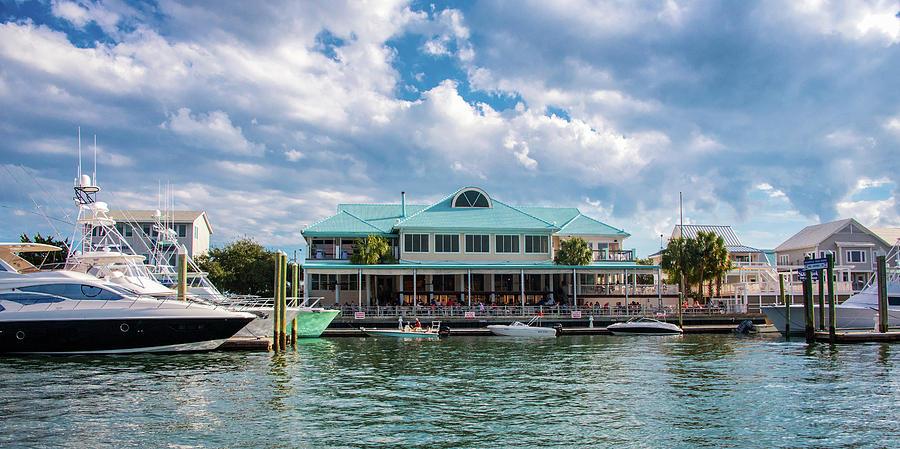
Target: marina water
{"points": [[574, 391]]}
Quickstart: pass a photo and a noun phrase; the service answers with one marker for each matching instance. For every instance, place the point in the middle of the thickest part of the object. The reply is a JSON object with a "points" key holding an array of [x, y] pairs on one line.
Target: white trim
{"points": [[490, 244]]}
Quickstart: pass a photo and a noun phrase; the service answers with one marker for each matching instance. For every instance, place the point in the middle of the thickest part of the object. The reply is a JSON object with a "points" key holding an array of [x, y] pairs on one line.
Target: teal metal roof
{"points": [[342, 224], [584, 225], [442, 215], [381, 216], [544, 266], [554, 215]]}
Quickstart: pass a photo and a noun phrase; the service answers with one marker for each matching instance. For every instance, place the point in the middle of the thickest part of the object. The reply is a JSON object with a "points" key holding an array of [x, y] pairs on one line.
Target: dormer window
{"points": [[471, 197]]}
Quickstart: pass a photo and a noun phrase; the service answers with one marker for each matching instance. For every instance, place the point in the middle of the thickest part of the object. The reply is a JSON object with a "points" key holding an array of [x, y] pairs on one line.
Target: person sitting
{"points": [[418, 325]]}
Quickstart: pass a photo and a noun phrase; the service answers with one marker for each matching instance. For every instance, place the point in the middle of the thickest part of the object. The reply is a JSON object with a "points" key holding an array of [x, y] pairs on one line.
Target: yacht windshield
{"points": [[74, 291]]}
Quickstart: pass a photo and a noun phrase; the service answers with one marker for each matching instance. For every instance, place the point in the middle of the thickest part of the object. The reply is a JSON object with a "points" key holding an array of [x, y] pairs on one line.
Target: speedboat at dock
{"points": [[644, 326], [520, 329], [407, 331]]}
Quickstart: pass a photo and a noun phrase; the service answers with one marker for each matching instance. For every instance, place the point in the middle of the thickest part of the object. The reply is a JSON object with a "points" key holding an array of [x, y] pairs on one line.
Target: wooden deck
{"points": [[859, 337]]}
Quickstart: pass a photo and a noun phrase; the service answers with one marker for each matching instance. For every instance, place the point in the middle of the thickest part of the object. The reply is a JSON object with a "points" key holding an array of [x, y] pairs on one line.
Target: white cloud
{"points": [[242, 168], [211, 131], [294, 155], [892, 125], [851, 19], [771, 191], [846, 138]]}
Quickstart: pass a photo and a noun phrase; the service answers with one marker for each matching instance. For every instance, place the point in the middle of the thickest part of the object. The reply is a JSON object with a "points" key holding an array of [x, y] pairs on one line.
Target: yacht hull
{"points": [[522, 331], [847, 318], [117, 335]]}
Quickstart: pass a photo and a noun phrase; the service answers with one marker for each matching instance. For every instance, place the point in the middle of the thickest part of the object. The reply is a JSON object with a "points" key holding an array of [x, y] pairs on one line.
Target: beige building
{"points": [[141, 229]]}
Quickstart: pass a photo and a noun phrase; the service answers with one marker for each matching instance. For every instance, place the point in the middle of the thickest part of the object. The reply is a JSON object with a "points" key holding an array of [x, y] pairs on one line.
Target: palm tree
{"points": [[705, 262], [369, 250], [674, 260], [574, 251]]}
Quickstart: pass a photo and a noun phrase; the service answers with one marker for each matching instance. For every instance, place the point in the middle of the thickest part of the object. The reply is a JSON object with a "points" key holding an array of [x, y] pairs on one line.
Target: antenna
{"points": [[94, 176], [78, 175]]}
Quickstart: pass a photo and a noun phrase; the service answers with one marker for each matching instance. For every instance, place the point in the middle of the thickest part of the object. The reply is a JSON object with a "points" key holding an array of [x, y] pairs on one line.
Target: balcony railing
{"points": [[520, 312], [609, 255]]}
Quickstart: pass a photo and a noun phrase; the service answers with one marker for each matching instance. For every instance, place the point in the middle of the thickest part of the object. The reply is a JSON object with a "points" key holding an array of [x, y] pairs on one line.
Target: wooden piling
{"points": [[295, 285], [276, 304], [832, 317], [821, 275], [881, 273], [787, 308], [181, 266], [808, 309], [283, 317]]}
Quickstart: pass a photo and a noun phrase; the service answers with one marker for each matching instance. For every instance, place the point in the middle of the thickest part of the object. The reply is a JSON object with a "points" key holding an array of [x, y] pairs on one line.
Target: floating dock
{"points": [[859, 337], [246, 344]]}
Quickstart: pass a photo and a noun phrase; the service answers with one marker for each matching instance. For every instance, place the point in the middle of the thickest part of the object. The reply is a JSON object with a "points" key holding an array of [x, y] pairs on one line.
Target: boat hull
{"points": [[312, 322], [398, 334], [644, 328], [264, 324], [522, 331], [847, 318], [117, 335]]}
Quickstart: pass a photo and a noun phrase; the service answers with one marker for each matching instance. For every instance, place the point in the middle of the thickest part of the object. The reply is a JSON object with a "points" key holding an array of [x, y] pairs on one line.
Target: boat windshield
{"points": [[75, 291]]}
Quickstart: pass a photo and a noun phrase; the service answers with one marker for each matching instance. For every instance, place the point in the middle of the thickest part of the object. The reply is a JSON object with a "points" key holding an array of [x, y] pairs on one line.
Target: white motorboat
{"points": [[520, 329], [433, 331], [66, 312], [644, 326]]}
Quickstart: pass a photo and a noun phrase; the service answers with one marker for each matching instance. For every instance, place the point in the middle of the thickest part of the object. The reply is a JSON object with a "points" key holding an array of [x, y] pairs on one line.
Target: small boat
{"points": [[520, 329], [407, 331], [644, 326]]}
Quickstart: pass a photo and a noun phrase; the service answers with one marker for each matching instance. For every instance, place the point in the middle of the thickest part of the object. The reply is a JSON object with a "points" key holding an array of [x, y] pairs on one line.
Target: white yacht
{"points": [[66, 312], [529, 329]]}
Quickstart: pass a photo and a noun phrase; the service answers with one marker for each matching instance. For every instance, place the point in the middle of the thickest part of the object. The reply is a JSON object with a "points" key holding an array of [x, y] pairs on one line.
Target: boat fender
{"points": [[558, 328]]}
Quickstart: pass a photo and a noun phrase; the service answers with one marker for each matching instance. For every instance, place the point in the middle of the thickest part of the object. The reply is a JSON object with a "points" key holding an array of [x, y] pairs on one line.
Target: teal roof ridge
{"points": [[319, 222], [553, 226], [364, 221], [572, 219], [427, 207], [600, 222]]}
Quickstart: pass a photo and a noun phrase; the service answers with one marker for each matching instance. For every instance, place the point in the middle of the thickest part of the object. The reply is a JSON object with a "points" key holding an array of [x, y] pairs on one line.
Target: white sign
{"points": [[470, 315], [359, 315], [576, 314]]}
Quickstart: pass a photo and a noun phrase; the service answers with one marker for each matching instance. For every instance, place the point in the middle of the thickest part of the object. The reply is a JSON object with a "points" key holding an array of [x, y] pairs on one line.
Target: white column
{"points": [[574, 288], [522, 288], [469, 286], [368, 290], [359, 287], [625, 284], [659, 286], [305, 287], [414, 287], [493, 296]]}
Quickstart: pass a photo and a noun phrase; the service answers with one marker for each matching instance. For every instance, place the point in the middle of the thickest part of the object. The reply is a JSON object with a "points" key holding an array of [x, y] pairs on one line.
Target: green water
{"points": [[481, 392]]}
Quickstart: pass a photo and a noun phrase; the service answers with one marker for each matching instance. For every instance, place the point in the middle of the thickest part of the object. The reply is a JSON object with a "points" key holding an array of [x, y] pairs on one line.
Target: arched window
{"points": [[471, 197]]}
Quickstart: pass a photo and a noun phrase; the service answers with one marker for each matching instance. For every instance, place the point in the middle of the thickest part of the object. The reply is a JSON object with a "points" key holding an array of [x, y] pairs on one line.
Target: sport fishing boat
{"points": [[529, 329], [644, 326], [67, 312], [434, 331]]}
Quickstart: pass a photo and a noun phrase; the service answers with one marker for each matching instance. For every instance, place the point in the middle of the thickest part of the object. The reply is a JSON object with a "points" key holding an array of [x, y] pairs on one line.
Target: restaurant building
{"points": [[470, 249]]}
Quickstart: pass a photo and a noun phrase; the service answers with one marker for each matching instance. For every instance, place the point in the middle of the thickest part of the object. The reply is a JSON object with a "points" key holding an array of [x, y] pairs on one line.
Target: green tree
{"points": [[644, 278], [574, 251], [371, 250], [49, 258], [242, 267]]}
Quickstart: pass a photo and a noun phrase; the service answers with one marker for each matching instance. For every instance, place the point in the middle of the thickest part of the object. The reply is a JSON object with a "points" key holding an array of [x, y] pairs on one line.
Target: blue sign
{"points": [[816, 264]]}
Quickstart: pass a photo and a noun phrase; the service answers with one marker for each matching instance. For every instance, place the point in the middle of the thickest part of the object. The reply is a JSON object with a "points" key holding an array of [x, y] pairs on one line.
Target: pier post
{"points": [[181, 264], [808, 309], [832, 318], [821, 274], [283, 316], [787, 309], [295, 287], [276, 305], [881, 273]]}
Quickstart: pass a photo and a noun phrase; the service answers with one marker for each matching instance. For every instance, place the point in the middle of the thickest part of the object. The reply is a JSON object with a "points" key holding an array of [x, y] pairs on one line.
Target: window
{"points": [[349, 282], [856, 256], [537, 244], [478, 243], [74, 291], [783, 259], [182, 230], [124, 229], [443, 283], [416, 243], [322, 281], [507, 243], [146, 229], [471, 198], [446, 243]]}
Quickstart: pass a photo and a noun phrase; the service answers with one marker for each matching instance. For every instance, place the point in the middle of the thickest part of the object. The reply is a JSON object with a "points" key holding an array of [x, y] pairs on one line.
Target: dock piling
{"points": [[787, 308], [832, 318], [276, 304], [282, 318], [881, 273], [808, 308], [181, 266], [295, 284], [821, 299]]}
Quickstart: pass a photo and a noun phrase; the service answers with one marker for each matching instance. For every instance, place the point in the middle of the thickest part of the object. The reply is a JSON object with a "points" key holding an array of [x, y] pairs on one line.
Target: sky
{"points": [[767, 115]]}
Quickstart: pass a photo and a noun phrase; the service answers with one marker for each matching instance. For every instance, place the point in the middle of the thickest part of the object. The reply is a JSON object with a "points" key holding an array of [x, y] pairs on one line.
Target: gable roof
{"points": [[149, 216], [342, 224], [889, 235], [584, 225], [732, 243], [442, 215], [812, 235]]}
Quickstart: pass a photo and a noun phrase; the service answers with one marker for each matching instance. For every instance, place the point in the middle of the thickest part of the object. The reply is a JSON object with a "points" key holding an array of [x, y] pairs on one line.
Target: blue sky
{"points": [[768, 116]]}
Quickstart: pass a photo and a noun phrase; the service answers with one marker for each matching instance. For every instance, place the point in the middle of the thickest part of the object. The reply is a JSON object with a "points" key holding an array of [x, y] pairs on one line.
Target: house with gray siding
{"points": [[854, 247]]}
